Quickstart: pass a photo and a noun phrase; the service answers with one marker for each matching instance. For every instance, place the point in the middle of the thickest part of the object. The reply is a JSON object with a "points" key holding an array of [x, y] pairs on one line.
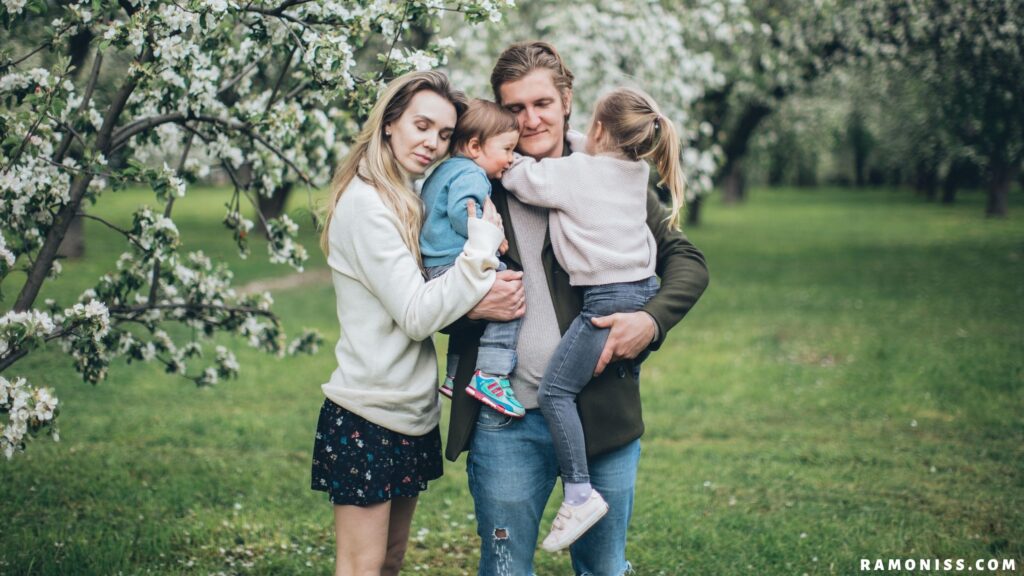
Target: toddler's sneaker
{"points": [[496, 392], [573, 521], [447, 387]]}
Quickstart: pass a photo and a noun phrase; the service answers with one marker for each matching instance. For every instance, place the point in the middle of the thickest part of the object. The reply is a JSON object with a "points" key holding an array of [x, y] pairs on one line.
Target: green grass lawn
{"points": [[851, 386]]}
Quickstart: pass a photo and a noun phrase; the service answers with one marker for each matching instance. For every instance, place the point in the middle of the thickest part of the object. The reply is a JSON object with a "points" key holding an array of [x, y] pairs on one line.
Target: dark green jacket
{"points": [[609, 406]]}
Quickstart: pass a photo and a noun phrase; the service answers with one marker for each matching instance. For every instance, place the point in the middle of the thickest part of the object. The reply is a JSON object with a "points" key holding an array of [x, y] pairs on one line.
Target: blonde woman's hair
{"points": [[634, 125], [372, 160]]}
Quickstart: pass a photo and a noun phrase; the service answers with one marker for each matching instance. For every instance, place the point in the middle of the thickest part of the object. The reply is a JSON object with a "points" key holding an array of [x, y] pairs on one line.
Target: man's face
{"points": [[541, 112]]}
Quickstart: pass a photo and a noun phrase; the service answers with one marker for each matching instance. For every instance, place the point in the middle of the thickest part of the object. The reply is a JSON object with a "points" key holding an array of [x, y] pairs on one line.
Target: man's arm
{"points": [[684, 276], [506, 300], [681, 267]]}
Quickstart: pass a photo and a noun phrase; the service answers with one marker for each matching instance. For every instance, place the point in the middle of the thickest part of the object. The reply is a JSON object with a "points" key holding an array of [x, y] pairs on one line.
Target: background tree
{"points": [[261, 92], [969, 58], [609, 43], [782, 48]]}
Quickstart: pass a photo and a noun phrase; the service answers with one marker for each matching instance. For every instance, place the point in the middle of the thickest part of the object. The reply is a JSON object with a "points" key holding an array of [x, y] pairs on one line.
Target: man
{"points": [[511, 465]]}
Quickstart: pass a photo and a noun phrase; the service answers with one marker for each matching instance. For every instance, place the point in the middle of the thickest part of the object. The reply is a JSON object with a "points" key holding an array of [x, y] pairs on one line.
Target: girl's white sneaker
{"points": [[573, 521]]}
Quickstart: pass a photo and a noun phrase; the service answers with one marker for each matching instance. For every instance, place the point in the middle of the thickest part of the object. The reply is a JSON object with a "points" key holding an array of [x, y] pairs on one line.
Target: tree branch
{"points": [[32, 130], [394, 41], [125, 133], [280, 78], [237, 78], [298, 89], [126, 233], [248, 131], [155, 281], [135, 310], [69, 134], [44, 46], [153, 121], [65, 145]]}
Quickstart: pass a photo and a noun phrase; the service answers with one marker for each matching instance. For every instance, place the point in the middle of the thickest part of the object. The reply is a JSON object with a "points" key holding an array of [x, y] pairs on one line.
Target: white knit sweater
{"points": [[387, 370], [598, 215]]}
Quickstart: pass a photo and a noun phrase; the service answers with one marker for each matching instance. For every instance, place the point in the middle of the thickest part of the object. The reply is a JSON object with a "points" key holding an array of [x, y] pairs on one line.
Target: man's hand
{"points": [[506, 300], [631, 333]]}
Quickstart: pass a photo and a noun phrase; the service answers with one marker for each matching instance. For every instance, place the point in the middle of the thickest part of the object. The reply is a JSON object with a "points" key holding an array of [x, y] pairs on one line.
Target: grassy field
{"points": [[851, 386]]}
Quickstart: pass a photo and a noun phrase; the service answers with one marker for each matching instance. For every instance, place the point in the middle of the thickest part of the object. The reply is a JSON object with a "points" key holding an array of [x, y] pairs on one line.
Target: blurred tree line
{"points": [[920, 93], [925, 93]]}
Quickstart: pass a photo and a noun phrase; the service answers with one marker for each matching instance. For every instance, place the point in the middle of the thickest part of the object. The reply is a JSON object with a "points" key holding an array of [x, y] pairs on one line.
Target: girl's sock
{"points": [[576, 494]]}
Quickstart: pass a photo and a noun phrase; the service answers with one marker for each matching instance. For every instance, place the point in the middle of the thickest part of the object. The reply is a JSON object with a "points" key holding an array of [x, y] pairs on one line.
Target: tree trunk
{"points": [[73, 244], [931, 191], [780, 160], [807, 170], [733, 186], [926, 180], [999, 191], [860, 141], [949, 188], [953, 180], [735, 148], [693, 211], [860, 163], [273, 206]]}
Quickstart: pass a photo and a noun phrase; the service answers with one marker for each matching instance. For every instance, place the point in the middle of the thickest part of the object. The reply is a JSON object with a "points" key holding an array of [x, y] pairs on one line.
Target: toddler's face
{"points": [[496, 154]]}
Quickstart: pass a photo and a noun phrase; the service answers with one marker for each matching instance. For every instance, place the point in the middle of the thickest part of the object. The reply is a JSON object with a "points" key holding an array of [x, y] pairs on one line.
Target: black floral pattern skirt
{"points": [[360, 463]]}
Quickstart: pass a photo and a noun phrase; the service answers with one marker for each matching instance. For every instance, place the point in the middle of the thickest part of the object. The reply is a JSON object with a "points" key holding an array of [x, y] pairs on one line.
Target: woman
{"points": [[377, 441]]}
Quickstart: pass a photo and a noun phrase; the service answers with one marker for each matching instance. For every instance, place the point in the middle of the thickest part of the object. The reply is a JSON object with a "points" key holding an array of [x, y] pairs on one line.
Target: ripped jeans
{"points": [[512, 469]]}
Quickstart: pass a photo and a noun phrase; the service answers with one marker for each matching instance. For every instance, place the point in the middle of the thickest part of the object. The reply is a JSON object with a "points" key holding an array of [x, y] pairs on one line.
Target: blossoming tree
{"points": [[967, 61], [264, 91], [610, 43]]}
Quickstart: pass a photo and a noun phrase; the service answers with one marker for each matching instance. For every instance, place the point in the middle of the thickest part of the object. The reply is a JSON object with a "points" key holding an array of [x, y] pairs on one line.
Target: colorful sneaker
{"points": [[573, 521], [496, 392], [447, 387]]}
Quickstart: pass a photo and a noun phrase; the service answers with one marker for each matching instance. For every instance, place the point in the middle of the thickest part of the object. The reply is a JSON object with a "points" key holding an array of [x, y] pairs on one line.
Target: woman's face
{"points": [[421, 134], [541, 111]]}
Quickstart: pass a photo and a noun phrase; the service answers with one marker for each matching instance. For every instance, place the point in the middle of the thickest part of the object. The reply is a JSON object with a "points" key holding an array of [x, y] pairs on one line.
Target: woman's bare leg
{"points": [[361, 538], [398, 534]]}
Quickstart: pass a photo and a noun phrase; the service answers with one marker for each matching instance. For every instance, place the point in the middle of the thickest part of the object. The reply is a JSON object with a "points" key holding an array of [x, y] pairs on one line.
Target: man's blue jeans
{"points": [[512, 469]]}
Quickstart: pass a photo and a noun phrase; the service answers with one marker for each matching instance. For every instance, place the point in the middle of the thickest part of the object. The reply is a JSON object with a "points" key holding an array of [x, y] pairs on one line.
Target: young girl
{"points": [[599, 233], [482, 142]]}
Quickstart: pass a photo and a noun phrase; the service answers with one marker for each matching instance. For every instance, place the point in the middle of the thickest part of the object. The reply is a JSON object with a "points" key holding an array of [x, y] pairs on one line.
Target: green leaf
{"points": [[57, 105], [37, 7]]}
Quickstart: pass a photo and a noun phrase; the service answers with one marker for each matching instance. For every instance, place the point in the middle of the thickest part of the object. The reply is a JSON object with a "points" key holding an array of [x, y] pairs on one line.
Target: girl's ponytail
{"points": [[665, 155], [638, 130]]}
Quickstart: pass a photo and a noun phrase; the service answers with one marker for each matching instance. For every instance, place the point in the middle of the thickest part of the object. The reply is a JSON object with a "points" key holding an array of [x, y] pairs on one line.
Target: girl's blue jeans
{"points": [[573, 364]]}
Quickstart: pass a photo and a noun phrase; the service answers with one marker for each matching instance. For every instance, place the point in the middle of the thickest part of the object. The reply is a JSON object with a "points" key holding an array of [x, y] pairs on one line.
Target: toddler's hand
{"points": [[490, 213], [504, 247]]}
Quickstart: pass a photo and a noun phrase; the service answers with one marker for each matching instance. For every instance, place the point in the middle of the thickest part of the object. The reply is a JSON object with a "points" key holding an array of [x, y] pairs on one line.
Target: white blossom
{"points": [[278, 130]]}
